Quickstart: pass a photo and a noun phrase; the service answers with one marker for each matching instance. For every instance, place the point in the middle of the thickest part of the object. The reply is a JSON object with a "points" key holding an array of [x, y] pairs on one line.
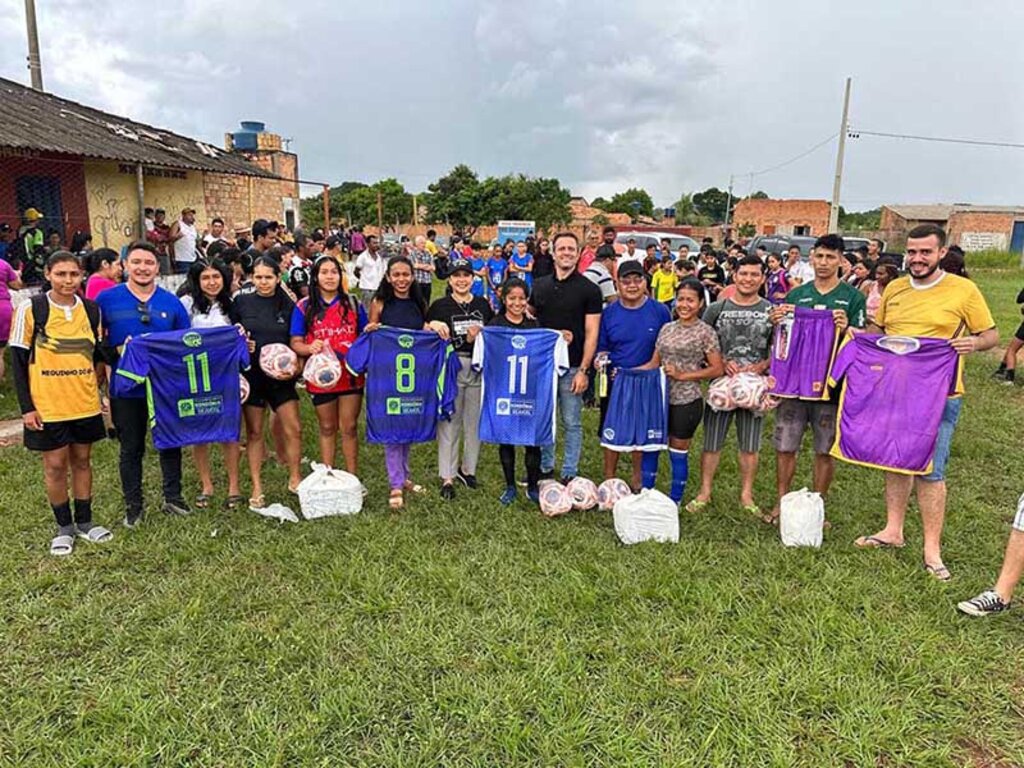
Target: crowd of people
{"points": [[617, 309]]}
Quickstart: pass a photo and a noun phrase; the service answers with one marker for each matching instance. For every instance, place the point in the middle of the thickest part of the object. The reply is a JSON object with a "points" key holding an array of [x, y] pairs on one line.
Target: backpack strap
{"points": [[41, 316]]}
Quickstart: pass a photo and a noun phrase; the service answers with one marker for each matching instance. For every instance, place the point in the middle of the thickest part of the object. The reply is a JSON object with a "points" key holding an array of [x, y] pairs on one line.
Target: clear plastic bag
{"points": [[647, 516], [801, 518], [326, 491]]}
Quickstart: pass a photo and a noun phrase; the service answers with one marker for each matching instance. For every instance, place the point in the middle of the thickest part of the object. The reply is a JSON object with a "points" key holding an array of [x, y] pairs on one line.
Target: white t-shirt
{"points": [[185, 246], [215, 318], [637, 255], [802, 271], [371, 270]]}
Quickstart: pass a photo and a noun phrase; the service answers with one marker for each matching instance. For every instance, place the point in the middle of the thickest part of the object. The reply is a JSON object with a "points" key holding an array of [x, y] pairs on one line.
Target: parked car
{"points": [[643, 238], [782, 243]]}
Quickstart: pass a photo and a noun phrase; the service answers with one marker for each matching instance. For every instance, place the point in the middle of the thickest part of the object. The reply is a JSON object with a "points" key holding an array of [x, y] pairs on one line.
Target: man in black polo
{"points": [[569, 302]]}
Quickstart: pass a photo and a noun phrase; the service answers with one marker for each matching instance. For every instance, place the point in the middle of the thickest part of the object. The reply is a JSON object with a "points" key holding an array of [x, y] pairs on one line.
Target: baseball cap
{"points": [[459, 265], [605, 252], [33, 215], [630, 267], [187, 210]]}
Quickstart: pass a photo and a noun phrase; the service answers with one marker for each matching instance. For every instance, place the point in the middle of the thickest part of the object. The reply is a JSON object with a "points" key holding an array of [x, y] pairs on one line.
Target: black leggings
{"points": [[507, 454], [130, 416]]}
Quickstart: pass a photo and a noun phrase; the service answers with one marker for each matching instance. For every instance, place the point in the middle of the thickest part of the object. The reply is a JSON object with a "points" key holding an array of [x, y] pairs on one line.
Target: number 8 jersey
{"points": [[191, 380], [520, 370], [410, 383]]}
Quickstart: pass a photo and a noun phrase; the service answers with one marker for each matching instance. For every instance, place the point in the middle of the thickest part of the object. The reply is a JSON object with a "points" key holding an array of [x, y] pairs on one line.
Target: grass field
{"points": [[467, 634]]}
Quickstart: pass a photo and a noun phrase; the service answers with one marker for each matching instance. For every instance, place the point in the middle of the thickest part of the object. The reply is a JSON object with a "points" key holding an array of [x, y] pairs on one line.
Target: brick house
{"points": [[92, 171], [972, 227], [782, 217]]}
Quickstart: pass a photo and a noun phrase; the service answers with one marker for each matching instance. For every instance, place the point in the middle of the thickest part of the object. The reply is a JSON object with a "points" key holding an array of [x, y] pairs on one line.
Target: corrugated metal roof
{"points": [[935, 212], [43, 122], [976, 208]]}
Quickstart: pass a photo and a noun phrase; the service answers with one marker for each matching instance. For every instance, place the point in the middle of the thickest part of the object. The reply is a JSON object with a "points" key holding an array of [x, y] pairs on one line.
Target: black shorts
{"points": [[1020, 332], [264, 391], [684, 419], [323, 398], [57, 434]]}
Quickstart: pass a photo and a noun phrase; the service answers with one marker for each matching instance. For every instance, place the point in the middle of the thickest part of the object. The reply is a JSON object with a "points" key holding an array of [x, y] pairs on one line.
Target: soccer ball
{"points": [[746, 389], [611, 491], [555, 500], [243, 387], [279, 362], [583, 493], [323, 370], [720, 395]]}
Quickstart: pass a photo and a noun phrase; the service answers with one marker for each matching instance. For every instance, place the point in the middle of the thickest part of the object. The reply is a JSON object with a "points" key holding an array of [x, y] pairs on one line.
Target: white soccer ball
{"points": [[720, 396], [583, 493], [611, 491], [323, 370], [746, 389], [243, 387], [279, 362], [555, 500]]}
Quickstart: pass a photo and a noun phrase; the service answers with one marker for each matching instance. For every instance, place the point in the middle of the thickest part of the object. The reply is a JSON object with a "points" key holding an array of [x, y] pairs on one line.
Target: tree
{"points": [[600, 202], [686, 212], [759, 195], [854, 221], [455, 199], [633, 201], [747, 229], [712, 202]]}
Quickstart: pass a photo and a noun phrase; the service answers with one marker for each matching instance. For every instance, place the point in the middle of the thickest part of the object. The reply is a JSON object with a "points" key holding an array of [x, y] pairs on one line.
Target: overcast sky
{"points": [[671, 96]]}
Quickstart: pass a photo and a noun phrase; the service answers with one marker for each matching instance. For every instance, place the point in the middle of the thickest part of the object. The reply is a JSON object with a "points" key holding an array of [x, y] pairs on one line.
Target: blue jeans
{"points": [[570, 413], [950, 416]]}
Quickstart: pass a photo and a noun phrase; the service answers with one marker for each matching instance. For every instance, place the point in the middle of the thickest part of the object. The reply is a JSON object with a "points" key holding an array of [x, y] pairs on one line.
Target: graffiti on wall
{"points": [[113, 216]]}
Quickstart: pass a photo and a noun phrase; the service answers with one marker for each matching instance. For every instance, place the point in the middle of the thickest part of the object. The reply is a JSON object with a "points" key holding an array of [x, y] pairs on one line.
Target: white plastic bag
{"points": [[325, 491], [648, 515], [801, 518], [278, 512]]}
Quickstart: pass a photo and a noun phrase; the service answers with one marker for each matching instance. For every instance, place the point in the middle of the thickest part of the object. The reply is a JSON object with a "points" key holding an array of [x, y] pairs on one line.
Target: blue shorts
{"points": [[950, 416], [637, 416]]}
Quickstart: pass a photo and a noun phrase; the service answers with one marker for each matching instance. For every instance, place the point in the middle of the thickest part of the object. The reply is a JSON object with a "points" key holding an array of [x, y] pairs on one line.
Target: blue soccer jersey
{"points": [[191, 383], [519, 386], [410, 383], [637, 417]]}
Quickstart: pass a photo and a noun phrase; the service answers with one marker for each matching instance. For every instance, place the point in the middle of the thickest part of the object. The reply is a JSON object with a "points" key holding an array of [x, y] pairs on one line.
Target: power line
{"points": [[792, 160], [855, 133]]}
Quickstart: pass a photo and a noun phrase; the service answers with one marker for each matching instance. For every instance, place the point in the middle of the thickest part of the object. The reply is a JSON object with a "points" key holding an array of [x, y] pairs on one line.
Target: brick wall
{"points": [[782, 215], [239, 200], [982, 230]]}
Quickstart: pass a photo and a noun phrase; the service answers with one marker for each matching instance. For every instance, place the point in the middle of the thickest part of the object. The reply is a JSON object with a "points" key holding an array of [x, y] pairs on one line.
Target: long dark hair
{"points": [[96, 259], [316, 307], [385, 293], [200, 302]]}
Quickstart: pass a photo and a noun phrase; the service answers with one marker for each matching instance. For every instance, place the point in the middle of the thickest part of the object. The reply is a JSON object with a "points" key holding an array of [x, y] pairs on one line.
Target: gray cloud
{"points": [[603, 95]]}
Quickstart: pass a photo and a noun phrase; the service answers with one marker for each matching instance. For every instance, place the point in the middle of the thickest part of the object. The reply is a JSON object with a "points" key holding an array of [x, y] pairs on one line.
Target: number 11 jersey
{"points": [[519, 384]]}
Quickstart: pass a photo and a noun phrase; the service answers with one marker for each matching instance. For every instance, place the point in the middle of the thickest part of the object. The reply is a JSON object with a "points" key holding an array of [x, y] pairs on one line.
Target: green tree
{"points": [[747, 229], [600, 202], [759, 195], [455, 199], [686, 212], [852, 221], [712, 202], [623, 202]]}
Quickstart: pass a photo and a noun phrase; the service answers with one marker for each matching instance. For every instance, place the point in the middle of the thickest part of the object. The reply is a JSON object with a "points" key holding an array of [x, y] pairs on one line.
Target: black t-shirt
{"points": [[266, 318], [543, 264], [564, 306], [460, 318], [715, 273], [503, 322]]}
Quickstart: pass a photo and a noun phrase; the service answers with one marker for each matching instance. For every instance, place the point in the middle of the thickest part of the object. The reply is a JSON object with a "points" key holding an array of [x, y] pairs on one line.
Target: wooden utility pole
{"points": [[327, 208], [833, 214]]}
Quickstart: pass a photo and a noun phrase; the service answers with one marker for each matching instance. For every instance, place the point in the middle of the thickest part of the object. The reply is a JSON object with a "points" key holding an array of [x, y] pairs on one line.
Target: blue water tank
{"points": [[246, 138]]}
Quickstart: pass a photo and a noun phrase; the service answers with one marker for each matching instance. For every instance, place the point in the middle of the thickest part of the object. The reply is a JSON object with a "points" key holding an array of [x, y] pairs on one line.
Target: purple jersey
{"points": [[803, 346], [892, 402]]}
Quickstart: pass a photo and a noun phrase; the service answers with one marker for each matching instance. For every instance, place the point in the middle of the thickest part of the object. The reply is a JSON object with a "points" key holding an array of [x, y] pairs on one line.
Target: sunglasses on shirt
{"points": [[144, 317]]}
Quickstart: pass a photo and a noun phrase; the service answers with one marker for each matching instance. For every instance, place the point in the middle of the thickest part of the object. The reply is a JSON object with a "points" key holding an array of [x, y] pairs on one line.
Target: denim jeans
{"points": [[950, 417], [570, 413]]}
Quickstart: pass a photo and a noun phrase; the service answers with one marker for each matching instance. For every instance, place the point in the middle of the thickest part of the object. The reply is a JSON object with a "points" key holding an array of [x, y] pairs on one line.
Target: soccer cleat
{"points": [[1000, 372], [508, 496], [131, 521], [467, 480], [985, 604], [533, 495], [176, 507], [1008, 377], [447, 491]]}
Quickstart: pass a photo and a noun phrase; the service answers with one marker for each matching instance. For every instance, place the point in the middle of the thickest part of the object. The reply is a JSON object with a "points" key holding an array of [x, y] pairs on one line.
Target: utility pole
{"points": [[833, 214], [380, 214], [35, 64]]}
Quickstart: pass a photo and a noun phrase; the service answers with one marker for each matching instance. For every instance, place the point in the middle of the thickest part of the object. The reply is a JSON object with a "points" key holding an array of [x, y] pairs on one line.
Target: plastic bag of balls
{"points": [[323, 370], [611, 491], [554, 499], [279, 362], [583, 493], [243, 388], [746, 390]]}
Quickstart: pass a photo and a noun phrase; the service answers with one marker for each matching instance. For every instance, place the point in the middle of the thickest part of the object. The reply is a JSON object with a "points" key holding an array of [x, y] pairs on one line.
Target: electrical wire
{"points": [[854, 133], [792, 160]]}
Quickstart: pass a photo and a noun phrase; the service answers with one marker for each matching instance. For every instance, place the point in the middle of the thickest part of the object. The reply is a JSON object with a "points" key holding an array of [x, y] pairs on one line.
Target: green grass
{"points": [[466, 634]]}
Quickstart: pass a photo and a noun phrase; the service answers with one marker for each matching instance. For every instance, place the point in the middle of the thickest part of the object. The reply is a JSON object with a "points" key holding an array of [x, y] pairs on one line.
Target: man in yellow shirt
{"points": [[664, 282], [935, 304]]}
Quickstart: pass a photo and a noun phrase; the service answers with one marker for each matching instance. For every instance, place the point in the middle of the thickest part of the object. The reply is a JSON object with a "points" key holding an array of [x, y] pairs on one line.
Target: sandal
{"points": [[873, 542], [938, 572], [412, 487], [234, 501], [62, 545], [772, 518], [257, 502], [396, 500], [753, 509], [203, 500], [97, 534], [697, 505]]}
